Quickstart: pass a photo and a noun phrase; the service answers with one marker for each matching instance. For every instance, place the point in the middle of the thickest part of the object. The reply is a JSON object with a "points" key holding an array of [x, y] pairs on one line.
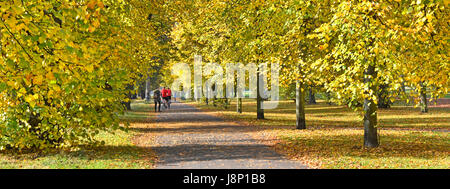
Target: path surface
{"points": [[190, 139]]}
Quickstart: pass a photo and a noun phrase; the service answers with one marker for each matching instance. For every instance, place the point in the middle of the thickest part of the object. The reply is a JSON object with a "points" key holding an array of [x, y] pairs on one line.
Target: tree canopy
{"points": [[66, 65]]}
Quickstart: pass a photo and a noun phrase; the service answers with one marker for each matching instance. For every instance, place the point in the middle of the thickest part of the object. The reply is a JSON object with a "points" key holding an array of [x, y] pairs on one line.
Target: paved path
{"points": [[190, 139]]}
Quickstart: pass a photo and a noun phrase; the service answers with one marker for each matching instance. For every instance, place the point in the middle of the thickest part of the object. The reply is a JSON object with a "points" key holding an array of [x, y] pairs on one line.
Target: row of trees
{"points": [[354, 49], [67, 66]]}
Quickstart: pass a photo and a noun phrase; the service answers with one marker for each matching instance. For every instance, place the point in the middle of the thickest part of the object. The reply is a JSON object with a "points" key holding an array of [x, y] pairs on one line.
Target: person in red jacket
{"points": [[169, 96], [164, 94]]}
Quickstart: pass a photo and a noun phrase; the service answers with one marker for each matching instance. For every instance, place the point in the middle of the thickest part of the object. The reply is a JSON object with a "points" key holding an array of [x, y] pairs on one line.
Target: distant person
{"points": [[164, 96], [157, 99], [169, 96]]}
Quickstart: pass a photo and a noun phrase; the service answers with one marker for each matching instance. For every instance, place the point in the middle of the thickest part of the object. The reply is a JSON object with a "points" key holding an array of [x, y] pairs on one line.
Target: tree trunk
{"points": [[239, 105], [423, 98], [214, 98], [312, 97], [225, 103], [300, 106], [259, 100], [370, 113], [328, 97], [147, 89], [383, 101], [238, 100], [207, 96], [403, 91]]}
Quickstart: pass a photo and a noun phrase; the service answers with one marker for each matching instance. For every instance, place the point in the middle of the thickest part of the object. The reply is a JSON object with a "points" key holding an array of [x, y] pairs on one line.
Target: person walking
{"points": [[157, 99], [164, 96], [169, 96]]}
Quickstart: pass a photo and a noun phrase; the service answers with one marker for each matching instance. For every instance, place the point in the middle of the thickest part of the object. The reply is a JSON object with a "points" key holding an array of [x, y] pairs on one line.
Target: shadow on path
{"points": [[190, 139]]}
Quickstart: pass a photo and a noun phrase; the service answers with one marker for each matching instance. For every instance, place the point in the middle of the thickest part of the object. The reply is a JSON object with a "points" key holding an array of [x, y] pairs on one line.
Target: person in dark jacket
{"points": [[157, 99]]}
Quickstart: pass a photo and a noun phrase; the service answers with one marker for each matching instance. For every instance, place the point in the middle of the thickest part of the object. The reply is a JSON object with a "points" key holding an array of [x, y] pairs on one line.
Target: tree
{"points": [[362, 41], [312, 97], [229, 37], [300, 18], [56, 89], [423, 45], [354, 38], [383, 96]]}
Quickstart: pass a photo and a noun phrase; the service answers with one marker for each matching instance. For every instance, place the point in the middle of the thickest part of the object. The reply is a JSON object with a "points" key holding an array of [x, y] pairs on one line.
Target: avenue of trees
{"points": [[68, 67], [363, 52]]}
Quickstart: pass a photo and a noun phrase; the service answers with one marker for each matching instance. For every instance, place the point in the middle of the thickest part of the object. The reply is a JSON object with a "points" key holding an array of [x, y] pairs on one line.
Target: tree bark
{"points": [[239, 105], [300, 106], [214, 98], [147, 89], [383, 101], [259, 100], [225, 103], [312, 97], [423, 98], [370, 112], [207, 96]]}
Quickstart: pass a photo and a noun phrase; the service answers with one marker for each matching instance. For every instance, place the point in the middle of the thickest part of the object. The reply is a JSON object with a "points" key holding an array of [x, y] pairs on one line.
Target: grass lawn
{"points": [[334, 135], [120, 150]]}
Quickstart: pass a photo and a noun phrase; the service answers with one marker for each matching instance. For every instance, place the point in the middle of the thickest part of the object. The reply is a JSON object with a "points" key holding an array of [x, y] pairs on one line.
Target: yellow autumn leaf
{"points": [[29, 98], [91, 4], [21, 92], [91, 29], [90, 68], [38, 80], [50, 76], [375, 50], [11, 83]]}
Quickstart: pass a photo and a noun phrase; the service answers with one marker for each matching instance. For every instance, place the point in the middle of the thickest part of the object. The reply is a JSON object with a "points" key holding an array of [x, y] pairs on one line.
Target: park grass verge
{"points": [[342, 148], [322, 115], [334, 136], [119, 152]]}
